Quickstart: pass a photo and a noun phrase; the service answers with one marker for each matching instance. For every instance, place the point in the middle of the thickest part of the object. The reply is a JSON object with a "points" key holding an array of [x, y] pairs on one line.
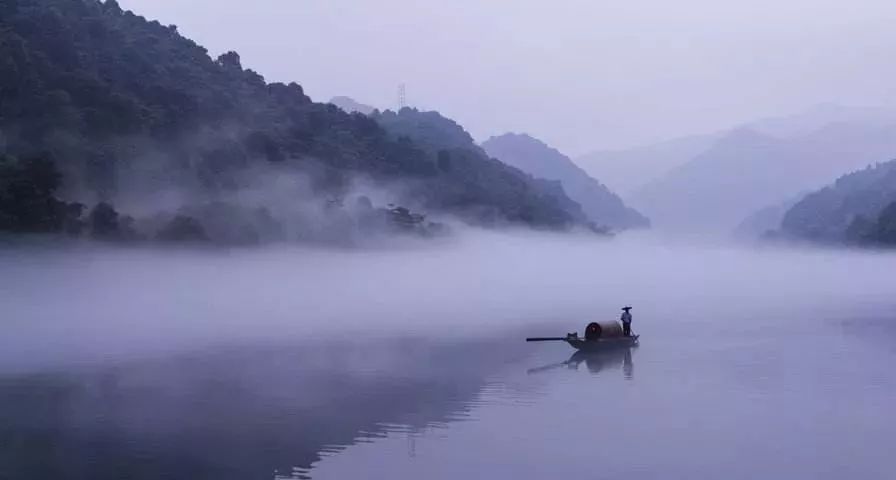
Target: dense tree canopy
{"points": [[27, 201], [857, 208]]}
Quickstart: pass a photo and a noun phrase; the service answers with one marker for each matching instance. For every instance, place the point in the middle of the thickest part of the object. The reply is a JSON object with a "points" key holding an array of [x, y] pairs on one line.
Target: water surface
{"points": [[301, 364]]}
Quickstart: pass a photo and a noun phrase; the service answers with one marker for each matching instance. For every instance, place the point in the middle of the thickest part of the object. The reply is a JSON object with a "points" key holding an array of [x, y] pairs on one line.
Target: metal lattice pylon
{"points": [[402, 96]]}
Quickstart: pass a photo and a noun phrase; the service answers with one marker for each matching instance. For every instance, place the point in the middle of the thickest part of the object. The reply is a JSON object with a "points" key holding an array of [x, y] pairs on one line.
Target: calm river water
{"points": [[800, 390]]}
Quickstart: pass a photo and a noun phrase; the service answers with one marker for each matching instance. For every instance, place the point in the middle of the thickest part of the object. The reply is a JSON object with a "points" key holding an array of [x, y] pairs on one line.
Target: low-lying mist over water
{"points": [[123, 302], [291, 362]]}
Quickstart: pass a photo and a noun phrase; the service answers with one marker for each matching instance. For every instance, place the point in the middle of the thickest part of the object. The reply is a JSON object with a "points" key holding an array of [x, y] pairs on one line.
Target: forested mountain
{"points": [[858, 207], [746, 170], [133, 114], [540, 160], [457, 158], [350, 105]]}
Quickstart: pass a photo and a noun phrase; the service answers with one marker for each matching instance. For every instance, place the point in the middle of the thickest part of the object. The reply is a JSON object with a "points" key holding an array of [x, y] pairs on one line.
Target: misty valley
{"points": [[207, 274]]}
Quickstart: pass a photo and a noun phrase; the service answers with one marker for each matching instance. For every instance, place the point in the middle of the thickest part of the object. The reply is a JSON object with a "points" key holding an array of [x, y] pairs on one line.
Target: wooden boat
{"points": [[584, 345], [598, 337]]}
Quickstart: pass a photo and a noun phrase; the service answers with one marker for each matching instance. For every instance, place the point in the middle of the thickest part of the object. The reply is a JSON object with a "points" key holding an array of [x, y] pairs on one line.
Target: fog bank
{"points": [[98, 304]]}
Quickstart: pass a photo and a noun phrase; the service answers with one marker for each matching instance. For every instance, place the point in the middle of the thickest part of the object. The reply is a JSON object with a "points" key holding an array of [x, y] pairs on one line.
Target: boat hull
{"points": [[583, 345]]}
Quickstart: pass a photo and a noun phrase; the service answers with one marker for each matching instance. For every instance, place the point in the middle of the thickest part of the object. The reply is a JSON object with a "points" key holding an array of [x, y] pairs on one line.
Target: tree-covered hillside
{"points": [[130, 111], [457, 157], [858, 207]]}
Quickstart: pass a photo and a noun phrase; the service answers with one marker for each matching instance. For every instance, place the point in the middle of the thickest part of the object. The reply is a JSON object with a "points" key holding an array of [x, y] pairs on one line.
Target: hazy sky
{"points": [[580, 74]]}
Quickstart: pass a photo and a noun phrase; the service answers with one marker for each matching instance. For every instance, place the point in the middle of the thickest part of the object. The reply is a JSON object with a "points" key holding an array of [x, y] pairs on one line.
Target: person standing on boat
{"points": [[626, 321]]}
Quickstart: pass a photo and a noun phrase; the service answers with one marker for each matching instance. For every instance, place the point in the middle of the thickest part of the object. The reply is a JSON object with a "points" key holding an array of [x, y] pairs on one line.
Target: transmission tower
{"points": [[402, 98]]}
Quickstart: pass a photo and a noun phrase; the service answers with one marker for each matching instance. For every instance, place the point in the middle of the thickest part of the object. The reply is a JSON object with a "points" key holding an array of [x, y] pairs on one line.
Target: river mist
{"points": [[297, 363], [91, 303]]}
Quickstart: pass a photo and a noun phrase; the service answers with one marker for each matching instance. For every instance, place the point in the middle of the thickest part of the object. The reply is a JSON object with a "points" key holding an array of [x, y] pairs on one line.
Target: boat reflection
{"points": [[596, 362]]}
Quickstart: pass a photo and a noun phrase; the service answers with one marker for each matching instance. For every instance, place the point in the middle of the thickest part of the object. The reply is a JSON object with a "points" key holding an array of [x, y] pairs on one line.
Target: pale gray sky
{"points": [[579, 74]]}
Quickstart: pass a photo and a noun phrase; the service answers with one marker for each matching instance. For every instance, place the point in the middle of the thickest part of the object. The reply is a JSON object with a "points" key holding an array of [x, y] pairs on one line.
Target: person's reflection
{"points": [[628, 367]]}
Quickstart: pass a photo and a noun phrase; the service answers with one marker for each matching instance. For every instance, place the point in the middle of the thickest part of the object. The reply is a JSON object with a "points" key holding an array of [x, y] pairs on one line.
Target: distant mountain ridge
{"points": [[747, 170], [626, 171], [540, 160], [820, 116], [629, 170]]}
